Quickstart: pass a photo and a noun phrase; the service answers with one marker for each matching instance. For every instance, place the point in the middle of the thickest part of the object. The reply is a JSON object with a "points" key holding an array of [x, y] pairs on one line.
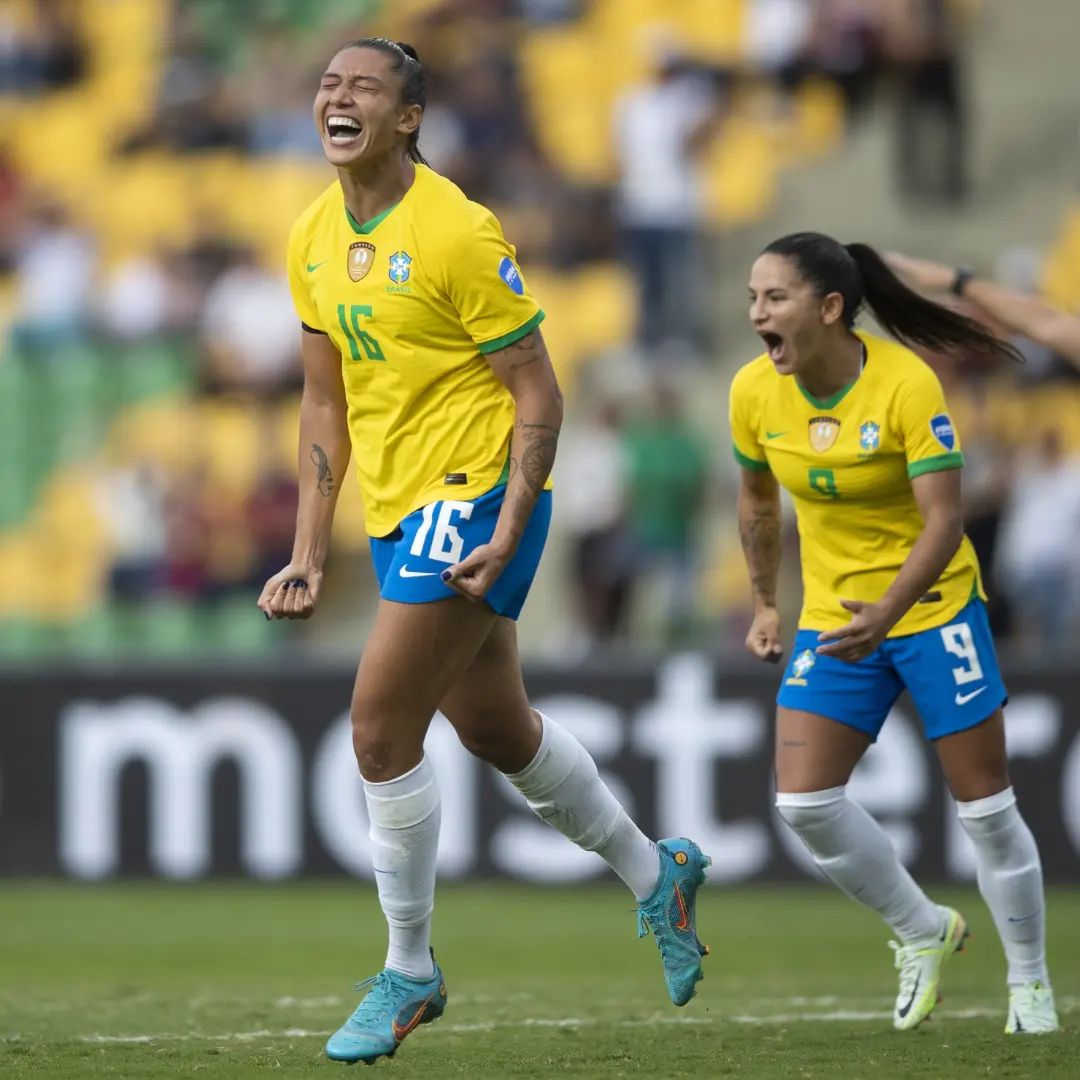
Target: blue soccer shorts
{"points": [[409, 561], [950, 671]]}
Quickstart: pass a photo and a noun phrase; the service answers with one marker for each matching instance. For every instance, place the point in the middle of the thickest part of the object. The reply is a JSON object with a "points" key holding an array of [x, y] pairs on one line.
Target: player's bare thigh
{"points": [[488, 706], [814, 753], [974, 761], [414, 654]]}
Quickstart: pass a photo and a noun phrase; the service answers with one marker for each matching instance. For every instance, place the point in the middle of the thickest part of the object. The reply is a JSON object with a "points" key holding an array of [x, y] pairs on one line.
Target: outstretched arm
{"points": [[524, 368], [1016, 312], [323, 457]]}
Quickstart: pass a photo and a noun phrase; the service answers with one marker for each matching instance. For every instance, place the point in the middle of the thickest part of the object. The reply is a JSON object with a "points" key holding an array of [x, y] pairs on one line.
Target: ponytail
{"points": [[414, 79], [859, 274]]}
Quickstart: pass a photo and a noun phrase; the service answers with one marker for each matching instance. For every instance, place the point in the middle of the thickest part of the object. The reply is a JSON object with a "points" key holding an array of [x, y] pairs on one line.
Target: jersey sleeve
{"points": [[745, 438], [486, 288], [931, 442], [298, 282]]}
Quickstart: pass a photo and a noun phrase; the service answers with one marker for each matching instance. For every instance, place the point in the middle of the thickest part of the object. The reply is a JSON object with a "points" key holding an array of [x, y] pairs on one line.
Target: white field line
{"points": [[571, 1022]]}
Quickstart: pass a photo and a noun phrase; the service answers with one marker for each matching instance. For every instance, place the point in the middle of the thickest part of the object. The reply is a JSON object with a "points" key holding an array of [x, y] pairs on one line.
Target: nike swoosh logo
{"points": [[312, 267], [963, 699], [1023, 918], [406, 572], [911, 1001], [684, 918], [774, 434], [401, 1032]]}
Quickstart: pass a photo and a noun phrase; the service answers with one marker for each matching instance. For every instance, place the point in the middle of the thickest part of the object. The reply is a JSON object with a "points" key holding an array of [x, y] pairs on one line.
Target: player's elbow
{"points": [[947, 521]]}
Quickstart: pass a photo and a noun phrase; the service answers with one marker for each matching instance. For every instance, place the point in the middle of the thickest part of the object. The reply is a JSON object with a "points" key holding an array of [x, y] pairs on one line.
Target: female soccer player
{"points": [[421, 350], [857, 430]]}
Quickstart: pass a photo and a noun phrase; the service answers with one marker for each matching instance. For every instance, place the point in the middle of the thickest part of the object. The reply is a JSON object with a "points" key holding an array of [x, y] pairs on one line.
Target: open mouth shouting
{"points": [[343, 130], [775, 345]]}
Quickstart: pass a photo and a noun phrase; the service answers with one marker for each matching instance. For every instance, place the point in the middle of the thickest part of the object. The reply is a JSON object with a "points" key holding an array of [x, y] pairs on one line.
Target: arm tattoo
{"points": [[533, 346], [793, 742], [538, 457], [760, 536], [322, 463]]}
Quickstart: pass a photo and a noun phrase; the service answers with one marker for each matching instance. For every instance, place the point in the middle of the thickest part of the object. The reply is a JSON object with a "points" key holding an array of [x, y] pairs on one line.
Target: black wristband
{"points": [[959, 283]]}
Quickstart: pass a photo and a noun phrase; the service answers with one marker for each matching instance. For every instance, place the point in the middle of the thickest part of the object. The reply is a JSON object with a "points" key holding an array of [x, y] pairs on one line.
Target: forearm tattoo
{"points": [[538, 456], [760, 536], [322, 464]]}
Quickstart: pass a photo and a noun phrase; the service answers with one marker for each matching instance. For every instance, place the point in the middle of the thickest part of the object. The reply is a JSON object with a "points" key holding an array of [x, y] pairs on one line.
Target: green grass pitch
{"points": [[246, 980]]}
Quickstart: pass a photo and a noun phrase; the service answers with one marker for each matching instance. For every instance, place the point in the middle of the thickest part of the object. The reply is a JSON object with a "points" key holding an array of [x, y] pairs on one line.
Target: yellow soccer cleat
{"points": [[920, 971]]}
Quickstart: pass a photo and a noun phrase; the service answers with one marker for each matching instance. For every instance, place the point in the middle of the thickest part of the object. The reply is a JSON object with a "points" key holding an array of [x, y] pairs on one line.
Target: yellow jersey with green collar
{"points": [[848, 463], [413, 300]]}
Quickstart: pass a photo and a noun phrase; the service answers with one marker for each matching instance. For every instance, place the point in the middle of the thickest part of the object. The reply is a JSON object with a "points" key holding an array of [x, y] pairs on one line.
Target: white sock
{"points": [[404, 815], [855, 854], [1010, 880], [562, 786]]}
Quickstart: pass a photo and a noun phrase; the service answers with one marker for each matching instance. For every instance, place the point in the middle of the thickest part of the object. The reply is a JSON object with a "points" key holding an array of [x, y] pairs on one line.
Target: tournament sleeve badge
{"points": [[942, 430], [511, 276], [823, 432], [360, 260]]}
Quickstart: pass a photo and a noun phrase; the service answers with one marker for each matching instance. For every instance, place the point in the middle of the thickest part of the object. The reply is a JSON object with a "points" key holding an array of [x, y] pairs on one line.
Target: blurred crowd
{"points": [[640, 483]]}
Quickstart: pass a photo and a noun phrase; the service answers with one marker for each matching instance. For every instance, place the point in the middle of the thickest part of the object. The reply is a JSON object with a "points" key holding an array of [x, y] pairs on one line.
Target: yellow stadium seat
{"points": [[741, 173]]}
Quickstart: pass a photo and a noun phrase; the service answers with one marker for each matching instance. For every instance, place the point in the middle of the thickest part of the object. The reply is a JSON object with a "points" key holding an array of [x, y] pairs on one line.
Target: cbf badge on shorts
{"points": [[800, 668], [361, 258], [823, 432]]}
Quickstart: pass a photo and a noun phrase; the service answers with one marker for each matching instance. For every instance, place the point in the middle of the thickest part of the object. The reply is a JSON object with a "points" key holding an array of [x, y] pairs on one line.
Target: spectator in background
{"points": [[661, 130], [1017, 312], [12, 209], [1037, 563], [48, 54], [845, 47], [776, 36], [923, 42], [592, 477], [194, 110], [668, 489], [277, 96], [136, 298], [55, 263], [248, 332], [488, 104]]}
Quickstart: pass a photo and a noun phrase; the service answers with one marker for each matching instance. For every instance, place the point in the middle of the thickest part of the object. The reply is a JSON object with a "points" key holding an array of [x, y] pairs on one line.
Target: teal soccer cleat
{"points": [[670, 914], [393, 1006]]}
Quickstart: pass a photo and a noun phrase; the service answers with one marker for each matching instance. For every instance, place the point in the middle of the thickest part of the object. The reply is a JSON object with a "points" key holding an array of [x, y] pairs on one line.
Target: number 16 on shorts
{"points": [[440, 520]]}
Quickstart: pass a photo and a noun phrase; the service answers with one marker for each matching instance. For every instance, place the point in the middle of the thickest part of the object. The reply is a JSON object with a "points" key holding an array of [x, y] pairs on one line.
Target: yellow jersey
{"points": [[413, 300], [848, 463]]}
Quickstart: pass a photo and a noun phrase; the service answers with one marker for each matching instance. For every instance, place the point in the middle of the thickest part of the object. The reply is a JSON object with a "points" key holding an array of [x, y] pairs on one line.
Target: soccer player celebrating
{"points": [[421, 350], [857, 430]]}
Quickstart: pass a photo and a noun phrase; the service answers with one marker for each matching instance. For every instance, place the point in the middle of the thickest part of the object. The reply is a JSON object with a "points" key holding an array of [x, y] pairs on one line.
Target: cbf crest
{"points": [[869, 437], [823, 432], [360, 260], [801, 666], [400, 267]]}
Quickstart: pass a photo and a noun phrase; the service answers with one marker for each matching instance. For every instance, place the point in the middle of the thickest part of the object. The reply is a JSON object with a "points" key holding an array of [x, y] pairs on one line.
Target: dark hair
{"points": [[414, 75], [861, 276]]}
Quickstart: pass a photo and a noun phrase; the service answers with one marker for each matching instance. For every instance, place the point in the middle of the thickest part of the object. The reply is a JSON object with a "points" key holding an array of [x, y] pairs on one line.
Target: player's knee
{"points": [[806, 811], [499, 739], [495, 745]]}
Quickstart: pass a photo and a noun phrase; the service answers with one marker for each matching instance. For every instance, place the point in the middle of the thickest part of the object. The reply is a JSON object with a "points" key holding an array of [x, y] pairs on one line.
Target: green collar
{"points": [[373, 224], [831, 403]]}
